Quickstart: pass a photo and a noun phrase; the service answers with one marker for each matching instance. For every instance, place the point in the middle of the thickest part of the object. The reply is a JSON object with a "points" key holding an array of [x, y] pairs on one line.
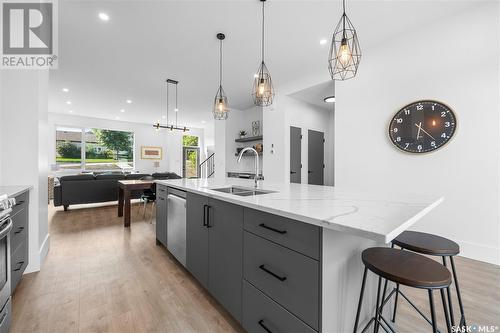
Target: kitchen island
{"points": [[288, 259]]}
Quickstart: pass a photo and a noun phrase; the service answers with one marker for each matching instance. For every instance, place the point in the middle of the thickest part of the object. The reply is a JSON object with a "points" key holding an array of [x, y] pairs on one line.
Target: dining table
{"points": [[126, 187]]}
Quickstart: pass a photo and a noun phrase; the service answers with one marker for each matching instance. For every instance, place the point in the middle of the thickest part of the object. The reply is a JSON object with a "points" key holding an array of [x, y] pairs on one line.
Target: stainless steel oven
{"points": [[5, 227]]}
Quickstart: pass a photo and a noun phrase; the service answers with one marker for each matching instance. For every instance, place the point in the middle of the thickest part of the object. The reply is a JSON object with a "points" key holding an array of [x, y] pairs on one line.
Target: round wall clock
{"points": [[422, 126]]}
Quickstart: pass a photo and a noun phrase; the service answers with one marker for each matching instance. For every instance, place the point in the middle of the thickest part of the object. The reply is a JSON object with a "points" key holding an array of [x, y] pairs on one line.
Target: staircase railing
{"points": [[207, 167]]}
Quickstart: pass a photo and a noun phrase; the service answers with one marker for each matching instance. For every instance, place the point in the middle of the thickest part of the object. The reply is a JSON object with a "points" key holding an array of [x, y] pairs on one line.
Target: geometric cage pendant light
{"points": [[263, 90], [345, 52], [221, 107]]}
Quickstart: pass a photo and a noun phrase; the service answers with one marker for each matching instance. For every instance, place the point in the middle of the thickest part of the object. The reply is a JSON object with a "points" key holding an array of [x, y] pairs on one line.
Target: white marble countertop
{"points": [[14, 190], [378, 215]]}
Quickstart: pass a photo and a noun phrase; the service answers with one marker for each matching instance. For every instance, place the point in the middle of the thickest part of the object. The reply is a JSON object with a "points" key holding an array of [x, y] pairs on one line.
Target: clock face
{"points": [[422, 126]]}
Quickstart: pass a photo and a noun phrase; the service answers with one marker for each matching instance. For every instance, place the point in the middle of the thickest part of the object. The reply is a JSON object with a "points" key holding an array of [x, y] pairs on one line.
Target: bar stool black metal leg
{"points": [[448, 292], [360, 302], [448, 324], [462, 319], [433, 312], [375, 326], [382, 303], [395, 303]]}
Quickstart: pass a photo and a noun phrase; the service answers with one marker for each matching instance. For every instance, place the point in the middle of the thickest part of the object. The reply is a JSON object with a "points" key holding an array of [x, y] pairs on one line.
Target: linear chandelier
{"points": [[263, 90], [171, 127], [345, 52]]}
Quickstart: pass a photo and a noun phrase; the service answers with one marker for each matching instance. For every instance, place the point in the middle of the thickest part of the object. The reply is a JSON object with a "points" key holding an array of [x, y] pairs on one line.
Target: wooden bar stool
{"points": [[408, 269], [433, 245]]}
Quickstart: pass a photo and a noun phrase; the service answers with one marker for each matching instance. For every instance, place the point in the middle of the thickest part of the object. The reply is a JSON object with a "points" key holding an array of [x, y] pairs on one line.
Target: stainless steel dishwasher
{"points": [[176, 224]]}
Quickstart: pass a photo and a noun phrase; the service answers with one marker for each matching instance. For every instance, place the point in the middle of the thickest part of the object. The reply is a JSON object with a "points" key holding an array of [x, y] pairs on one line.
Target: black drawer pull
{"points": [[21, 263], [272, 229], [261, 323], [281, 278], [161, 198], [19, 230], [19, 203]]}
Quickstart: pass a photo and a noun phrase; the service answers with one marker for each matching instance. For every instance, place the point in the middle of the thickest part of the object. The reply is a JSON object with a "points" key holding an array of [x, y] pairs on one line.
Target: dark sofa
{"points": [[94, 188]]}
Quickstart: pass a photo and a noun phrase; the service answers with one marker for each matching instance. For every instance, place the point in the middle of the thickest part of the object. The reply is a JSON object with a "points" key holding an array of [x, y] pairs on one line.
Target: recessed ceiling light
{"points": [[104, 16], [117, 118], [163, 117], [68, 102], [128, 101], [176, 110], [323, 41], [70, 111], [65, 89], [330, 99], [122, 110], [203, 121]]}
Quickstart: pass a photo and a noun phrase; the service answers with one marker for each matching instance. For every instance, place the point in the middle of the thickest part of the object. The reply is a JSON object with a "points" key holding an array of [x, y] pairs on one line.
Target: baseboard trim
{"points": [[480, 252], [44, 249]]}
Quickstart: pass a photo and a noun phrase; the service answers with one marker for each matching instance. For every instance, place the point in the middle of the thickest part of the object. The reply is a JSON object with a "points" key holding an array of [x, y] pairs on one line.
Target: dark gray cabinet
{"points": [[197, 237], [161, 215], [19, 250], [225, 252], [214, 248]]}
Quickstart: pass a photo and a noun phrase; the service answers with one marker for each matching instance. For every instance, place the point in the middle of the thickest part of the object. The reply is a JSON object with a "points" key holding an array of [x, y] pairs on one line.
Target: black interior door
{"points": [[295, 154], [316, 157]]}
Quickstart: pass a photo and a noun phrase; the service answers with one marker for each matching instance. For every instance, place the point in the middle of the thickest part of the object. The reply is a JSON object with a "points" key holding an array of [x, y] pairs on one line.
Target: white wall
{"points": [[454, 60], [241, 120], [285, 112], [23, 149], [145, 135]]}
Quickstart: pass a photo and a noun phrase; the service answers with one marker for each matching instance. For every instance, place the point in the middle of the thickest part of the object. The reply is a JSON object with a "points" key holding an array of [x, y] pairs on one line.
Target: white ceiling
{"points": [[144, 42]]}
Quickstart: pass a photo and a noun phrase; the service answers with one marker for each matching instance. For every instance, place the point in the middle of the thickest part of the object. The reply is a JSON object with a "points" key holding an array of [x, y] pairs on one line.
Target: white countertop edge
{"points": [[14, 190], [405, 226], [324, 224]]}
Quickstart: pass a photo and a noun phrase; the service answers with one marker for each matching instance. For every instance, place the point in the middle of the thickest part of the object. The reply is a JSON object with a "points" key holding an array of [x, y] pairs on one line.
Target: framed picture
{"points": [[151, 153]]}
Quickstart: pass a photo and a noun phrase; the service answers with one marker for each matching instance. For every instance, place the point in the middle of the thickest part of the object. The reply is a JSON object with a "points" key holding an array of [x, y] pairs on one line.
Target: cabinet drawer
{"points": [[19, 261], [161, 191], [288, 277], [19, 229], [260, 311], [298, 236], [22, 201]]}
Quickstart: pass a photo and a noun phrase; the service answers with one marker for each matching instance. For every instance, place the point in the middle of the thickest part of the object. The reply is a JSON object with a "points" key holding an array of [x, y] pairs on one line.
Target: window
{"points": [[99, 149]]}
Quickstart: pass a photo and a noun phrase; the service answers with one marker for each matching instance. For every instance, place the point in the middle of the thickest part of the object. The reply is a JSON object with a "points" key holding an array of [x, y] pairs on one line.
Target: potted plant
{"points": [[243, 133]]}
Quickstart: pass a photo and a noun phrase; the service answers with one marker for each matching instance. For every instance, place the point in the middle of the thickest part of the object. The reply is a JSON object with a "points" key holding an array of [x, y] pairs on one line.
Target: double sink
{"points": [[241, 191]]}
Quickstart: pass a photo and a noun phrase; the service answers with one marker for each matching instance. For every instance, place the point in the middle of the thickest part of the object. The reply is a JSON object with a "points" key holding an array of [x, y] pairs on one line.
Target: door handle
{"points": [[292, 172], [309, 171]]}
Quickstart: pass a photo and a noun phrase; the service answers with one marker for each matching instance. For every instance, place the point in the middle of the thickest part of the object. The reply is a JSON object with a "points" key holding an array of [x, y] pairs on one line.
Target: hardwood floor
{"points": [[100, 277]]}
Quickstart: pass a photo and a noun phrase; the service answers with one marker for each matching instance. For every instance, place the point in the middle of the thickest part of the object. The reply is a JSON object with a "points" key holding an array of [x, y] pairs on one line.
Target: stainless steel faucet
{"points": [[256, 160]]}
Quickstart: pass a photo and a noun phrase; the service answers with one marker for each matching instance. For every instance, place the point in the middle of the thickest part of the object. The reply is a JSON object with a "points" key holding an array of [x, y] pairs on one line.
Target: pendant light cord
{"points": [[263, 27], [220, 67], [343, 19], [177, 110], [167, 103]]}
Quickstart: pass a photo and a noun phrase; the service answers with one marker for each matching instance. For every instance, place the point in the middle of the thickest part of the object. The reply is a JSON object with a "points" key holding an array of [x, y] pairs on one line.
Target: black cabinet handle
{"points": [[162, 198], [19, 203], [261, 323], [205, 208], [292, 172], [263, 225], [208, 217], [309, 171], [21, 263], [19, 230], [281, 278]]}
